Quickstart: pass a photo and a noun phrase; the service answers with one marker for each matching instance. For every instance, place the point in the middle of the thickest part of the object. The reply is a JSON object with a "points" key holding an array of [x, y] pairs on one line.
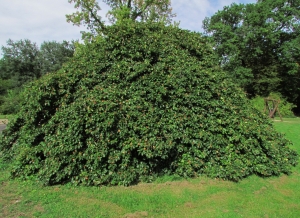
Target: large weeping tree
{"points": [[144, 100]]}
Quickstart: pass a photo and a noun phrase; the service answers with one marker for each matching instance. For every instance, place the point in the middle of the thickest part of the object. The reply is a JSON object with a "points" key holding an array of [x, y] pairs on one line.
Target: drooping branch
{"points": [[93, 15], [86, 14]]}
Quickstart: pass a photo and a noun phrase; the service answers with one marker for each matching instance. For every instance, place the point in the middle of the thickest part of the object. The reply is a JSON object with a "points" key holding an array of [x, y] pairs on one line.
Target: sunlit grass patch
{"points": [[8, 117]]}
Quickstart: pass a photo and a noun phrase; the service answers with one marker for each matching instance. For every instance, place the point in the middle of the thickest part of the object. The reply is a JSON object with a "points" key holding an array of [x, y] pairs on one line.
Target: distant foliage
{"points": [[285, 108], [259, 46], [23, 61], [10, 102], [143, 101]]}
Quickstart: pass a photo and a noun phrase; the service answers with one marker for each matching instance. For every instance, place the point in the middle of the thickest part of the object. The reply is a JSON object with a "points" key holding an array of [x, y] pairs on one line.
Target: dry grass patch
{"points": [[3, 121]]}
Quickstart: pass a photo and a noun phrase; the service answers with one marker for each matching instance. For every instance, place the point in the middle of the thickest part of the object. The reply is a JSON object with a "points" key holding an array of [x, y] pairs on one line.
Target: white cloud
{"points": [[44, 20], [37, 20], [191, 13]]}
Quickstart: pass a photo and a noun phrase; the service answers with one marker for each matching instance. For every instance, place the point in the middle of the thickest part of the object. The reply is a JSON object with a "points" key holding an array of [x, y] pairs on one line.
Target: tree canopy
{"points": [[258, 45], [24, 61], [87, 13], [53, 54], [20, 59], [144, 100], [142, 10]]}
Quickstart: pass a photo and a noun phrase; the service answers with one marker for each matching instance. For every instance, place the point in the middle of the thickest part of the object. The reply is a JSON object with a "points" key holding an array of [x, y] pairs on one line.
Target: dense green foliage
{"points": [[88, 13], [285, 108], [258, 45], [144, 100], [168, 196], [24, 61], [20, 60]]}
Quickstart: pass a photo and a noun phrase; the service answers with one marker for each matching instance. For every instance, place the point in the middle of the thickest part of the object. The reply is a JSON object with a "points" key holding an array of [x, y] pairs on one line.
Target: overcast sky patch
{"points": [[44, 20]]}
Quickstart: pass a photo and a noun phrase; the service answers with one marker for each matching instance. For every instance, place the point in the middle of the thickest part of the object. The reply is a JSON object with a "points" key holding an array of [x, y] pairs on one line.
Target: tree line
{"points": [[24, 61], [258, 45]]}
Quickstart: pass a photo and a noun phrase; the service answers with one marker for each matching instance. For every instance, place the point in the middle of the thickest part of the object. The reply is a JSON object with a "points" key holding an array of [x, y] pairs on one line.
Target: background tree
{"points": [[53, 54], [20, 60], [24, 61], [143, 10], [257, 45], [87, 13], [20, 64]]}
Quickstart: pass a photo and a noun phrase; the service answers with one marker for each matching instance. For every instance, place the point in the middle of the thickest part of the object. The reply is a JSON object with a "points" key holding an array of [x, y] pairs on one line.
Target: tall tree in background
{"points": [[258, 44], [24, 61], [143, 10], [87, 13], [20, 60], [53, 54], [20, 64]]}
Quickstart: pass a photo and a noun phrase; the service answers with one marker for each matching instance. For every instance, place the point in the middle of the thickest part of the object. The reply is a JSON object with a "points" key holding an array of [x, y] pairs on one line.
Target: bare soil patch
{"points": [[4, 121]]}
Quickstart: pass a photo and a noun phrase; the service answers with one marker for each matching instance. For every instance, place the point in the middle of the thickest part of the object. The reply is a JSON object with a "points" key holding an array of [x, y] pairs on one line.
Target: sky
{"points": [[44, 20]]}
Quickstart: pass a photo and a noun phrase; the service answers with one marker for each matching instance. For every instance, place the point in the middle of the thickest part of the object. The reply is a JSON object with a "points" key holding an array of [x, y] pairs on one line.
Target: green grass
{"points": [[167, 197], [8, 116]]}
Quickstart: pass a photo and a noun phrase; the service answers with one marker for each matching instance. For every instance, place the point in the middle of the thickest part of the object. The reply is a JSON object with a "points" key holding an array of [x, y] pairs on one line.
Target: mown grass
{"points": [[167, 197], [8, 116]]}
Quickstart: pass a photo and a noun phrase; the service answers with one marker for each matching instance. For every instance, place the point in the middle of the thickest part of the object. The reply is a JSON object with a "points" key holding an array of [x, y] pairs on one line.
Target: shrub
{"points": [[285, 108], [142, 101], [10, 102], [9, 96]]}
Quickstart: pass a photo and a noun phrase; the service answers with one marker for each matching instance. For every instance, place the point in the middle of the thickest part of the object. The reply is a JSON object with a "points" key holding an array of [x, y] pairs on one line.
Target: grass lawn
{"points": [[167, 197], [6, 116]]}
